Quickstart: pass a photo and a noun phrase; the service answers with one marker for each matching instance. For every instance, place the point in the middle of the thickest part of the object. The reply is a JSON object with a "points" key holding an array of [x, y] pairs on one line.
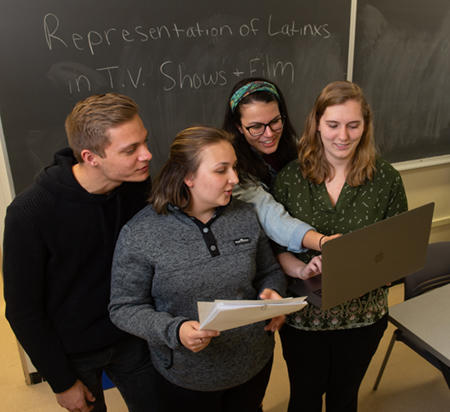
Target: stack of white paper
{"points": [[228, 314]]}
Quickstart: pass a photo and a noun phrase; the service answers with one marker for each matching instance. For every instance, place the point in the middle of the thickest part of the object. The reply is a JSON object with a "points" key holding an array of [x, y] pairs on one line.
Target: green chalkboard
{"points": [[177, 59]]}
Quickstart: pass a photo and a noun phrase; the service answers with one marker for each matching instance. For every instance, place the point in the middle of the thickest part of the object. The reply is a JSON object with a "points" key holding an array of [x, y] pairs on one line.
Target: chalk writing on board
{"points": [[262, 66], [171, 74], [177, 59], [95, 38], [174, 75]]}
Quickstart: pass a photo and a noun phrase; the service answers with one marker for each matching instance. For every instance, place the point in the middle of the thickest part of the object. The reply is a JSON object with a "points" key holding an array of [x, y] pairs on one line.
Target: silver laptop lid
{"points": [[376, 255]]}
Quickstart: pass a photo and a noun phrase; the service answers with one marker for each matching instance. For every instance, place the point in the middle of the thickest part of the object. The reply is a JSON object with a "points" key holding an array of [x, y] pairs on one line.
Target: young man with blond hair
{"points": [[59, 241]]}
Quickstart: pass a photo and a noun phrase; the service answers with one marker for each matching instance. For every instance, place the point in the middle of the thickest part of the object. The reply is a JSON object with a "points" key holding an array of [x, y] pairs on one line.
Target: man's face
{"points": [[127, 156]]}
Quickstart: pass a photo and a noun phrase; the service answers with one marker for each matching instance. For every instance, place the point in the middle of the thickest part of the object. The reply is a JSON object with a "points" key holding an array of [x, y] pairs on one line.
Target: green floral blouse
{"points": [[356, 207]]}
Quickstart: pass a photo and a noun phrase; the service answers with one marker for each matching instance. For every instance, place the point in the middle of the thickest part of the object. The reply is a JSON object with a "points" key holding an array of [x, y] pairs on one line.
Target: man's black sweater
{"points": [[58, 247]]}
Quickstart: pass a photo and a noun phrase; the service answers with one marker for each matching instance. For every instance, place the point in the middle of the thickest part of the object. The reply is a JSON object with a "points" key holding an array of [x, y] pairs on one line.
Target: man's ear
{"points": [[189, 181], [89, 157]]}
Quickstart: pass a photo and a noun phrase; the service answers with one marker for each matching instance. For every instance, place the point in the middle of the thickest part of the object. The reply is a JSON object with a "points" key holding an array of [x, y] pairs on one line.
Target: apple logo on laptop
{"points": [[379, 257]]}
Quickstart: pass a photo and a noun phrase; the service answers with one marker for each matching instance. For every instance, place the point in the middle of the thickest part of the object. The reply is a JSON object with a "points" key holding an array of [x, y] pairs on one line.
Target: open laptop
{"points": [[368, 258]]}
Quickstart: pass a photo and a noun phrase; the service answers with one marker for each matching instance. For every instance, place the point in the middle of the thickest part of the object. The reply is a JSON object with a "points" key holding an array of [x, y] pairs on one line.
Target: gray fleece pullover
{"points": [[164, 264]]}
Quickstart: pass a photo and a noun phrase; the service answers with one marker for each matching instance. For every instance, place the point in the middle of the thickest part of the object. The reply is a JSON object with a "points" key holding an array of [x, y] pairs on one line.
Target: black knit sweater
{"points": [[58, 246]]}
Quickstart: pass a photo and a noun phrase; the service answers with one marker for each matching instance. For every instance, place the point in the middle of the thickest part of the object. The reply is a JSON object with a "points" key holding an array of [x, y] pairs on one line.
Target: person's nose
{"points": [[233, 179], [145, 154], [268, 131], [343, 134]]}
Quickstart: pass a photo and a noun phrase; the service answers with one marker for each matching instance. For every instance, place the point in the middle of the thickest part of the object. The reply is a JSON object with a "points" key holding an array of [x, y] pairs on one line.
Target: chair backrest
{"points": [[436, 272]]}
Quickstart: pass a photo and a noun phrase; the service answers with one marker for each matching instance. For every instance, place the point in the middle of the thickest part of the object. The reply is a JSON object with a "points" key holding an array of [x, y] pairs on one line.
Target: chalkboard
{"points": [[177, 59], [402, 61]]}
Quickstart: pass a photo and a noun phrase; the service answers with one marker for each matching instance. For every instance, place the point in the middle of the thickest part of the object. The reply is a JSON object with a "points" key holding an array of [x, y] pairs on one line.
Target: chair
{"points": [[436, 273]]}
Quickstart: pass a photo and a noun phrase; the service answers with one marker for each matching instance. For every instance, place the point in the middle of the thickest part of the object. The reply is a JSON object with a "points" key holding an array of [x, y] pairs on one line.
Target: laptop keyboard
{"points": [[318, 292]]}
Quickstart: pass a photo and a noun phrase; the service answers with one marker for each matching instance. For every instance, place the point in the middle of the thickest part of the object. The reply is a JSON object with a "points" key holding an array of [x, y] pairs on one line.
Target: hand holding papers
{"points": [[228, 314]]}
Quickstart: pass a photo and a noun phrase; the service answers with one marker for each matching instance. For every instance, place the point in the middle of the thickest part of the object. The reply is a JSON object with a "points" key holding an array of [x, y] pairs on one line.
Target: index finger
{"points": [[206, 333]]}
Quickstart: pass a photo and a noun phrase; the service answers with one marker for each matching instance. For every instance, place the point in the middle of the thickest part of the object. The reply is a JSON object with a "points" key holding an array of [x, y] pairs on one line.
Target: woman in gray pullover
{"points": [[192, 243]]}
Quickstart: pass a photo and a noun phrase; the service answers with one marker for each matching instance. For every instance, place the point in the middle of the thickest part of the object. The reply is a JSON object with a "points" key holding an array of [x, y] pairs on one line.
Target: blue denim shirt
{"points": [[278, 224]]}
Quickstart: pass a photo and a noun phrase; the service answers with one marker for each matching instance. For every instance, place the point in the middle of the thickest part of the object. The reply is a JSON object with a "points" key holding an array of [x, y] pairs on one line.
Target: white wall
{"points": [[431, 184], [6, 185]]}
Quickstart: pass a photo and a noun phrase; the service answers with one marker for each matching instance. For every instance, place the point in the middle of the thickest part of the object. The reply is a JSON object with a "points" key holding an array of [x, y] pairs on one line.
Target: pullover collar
{"points": [[58, 178]]}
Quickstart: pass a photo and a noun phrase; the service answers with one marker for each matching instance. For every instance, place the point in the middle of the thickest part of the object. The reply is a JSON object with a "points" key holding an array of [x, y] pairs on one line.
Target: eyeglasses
{"points": [[259, 129]]}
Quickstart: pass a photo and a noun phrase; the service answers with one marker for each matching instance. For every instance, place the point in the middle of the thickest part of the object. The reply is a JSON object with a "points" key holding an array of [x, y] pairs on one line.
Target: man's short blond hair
{"points": [[88, 123]]}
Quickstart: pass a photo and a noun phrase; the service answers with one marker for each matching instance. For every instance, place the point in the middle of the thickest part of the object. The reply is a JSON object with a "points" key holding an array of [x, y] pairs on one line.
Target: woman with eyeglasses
{"points": [[265, 141]]}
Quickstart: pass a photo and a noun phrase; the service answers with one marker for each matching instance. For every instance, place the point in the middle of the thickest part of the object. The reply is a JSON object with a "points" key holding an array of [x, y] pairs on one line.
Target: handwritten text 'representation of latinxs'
{"points": [[215, 39]]}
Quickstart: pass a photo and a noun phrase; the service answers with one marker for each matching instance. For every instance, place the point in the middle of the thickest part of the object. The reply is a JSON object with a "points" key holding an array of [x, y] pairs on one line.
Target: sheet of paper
{"points": [[228, 314]]}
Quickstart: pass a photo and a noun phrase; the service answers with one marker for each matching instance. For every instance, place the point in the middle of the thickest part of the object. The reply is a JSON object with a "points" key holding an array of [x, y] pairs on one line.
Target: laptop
{"points": [[368, 258]]}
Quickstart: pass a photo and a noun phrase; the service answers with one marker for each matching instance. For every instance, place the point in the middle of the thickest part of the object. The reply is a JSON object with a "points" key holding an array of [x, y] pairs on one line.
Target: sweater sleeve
{"points": [[132, 307], [25, 255], [278, 224], [268, 272]]}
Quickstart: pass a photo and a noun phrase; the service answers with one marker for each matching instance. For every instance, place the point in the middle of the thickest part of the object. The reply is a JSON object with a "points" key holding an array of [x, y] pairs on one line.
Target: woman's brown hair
{"points": [[311, 155], [184, 160]]}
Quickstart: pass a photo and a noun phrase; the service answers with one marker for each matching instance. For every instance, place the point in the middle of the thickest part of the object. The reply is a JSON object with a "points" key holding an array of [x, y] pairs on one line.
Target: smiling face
{"points": [[257, 113], [127, 156], [213, 182], [341, 128]]}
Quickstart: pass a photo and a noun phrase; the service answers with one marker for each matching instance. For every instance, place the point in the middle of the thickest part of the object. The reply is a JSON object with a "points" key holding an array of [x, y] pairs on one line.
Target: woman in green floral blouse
{"points": [[337, 185]]}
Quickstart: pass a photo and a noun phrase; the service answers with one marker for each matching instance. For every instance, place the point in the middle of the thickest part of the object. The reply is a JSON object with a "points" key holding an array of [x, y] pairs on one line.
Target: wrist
{"points": [[179, 331], [320, 242]]}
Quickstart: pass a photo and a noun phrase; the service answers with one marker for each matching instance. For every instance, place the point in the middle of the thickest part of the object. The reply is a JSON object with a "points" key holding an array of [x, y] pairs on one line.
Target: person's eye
{"points": [[221, 171], [257, 128], [332, 126]]}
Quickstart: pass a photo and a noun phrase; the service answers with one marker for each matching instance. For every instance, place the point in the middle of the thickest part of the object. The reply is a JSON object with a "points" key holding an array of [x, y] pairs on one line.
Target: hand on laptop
{"points": [[327, 238], [298, 269], [313, 268]]}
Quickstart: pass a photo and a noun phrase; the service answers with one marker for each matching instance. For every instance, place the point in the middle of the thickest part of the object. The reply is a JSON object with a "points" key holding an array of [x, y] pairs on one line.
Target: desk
{"points": [[426, 317]]}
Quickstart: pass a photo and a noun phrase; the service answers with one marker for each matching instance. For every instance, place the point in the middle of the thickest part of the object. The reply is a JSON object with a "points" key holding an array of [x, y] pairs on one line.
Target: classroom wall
{"points": [[379, 29], [431, 184], [6, 184]]}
